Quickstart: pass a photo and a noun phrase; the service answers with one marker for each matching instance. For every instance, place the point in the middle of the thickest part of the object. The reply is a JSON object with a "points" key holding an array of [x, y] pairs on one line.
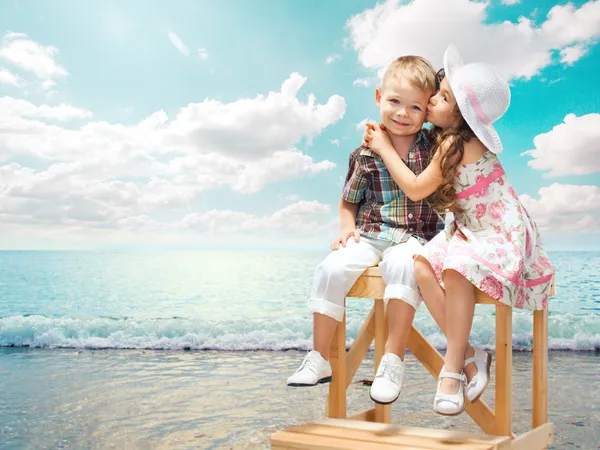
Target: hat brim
{"points": [[487, 134]]}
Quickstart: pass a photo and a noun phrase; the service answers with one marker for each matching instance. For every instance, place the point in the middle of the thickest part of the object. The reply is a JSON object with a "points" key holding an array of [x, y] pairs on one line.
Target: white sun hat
{"points": [[482, 95]]}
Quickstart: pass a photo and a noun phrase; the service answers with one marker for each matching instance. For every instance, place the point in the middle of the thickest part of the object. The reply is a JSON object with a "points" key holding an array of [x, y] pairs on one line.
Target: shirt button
{"points": [[410, 216]]}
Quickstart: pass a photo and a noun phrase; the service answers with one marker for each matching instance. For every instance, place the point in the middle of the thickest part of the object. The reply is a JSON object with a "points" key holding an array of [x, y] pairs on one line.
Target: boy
{"points": [[379, 225]]}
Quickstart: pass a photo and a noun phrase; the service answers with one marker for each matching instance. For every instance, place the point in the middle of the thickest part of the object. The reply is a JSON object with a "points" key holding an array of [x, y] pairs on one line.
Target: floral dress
{"points": [[493, 243]]}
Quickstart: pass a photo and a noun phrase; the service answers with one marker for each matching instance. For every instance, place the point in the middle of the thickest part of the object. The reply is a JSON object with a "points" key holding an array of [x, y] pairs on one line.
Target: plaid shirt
{"points": [[385, 212]]}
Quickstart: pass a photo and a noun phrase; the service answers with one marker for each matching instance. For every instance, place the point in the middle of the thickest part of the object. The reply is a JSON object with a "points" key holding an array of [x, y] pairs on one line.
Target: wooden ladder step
{"points": [[329, 434]]}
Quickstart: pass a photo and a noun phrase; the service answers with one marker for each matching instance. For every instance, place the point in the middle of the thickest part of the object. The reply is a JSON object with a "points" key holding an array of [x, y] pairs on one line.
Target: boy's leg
{"points": [[323, 331], [403, 298], [400, 319], [401, 293], [333, 279]]}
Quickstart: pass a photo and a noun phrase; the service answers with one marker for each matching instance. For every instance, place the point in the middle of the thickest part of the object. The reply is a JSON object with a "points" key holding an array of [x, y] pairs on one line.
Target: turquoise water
{"points": [[92, 351], [228, 301]]}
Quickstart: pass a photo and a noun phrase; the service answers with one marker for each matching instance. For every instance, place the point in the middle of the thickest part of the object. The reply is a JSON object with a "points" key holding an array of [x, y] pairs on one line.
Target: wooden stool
{"points": [[499, 422]]}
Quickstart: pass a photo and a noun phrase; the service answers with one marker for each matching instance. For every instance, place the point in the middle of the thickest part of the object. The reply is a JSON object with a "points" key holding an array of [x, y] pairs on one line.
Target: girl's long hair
{"points": [[454, 137]]}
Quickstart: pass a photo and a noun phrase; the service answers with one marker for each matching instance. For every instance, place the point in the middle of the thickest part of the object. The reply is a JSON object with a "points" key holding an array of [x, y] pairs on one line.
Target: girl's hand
{"points": [[376, 137]]}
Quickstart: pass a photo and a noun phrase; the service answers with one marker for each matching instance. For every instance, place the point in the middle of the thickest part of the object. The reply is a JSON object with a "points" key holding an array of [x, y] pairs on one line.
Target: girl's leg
{"points": [[460, 307], [435, 299]]}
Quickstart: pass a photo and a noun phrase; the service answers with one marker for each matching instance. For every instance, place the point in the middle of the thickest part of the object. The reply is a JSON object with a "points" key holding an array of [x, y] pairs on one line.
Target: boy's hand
{"points": [[376, 137], [344, 236]]}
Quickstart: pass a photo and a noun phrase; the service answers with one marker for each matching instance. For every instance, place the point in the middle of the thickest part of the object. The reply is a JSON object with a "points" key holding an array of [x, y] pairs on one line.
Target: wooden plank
{"points": [[395, 436], [432, 360], [503, 370], [383, 413], [336, 400], [301, 441], [367, 287], [433, 435], [483, 299], [360, 346], [537, 439], [540, 369]]}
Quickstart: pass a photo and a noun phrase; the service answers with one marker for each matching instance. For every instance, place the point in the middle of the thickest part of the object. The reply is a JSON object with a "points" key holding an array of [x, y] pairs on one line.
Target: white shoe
{"points": [[479, 382], [450, 404], [314, 370], [388, 380]]}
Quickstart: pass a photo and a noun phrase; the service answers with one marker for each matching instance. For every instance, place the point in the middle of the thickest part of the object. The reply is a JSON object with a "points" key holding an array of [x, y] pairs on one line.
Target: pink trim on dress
{"points": [[482, 184]]}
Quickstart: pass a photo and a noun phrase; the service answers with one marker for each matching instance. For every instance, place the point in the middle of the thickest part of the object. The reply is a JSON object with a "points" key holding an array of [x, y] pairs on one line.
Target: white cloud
{"points": [[7, 77], [28, 55], [567, 208], [335, 142], [251, 128], [570, 148], [12, 107], [570, 55], [106, 176], [295, 218], [363, 82], [203, 53], [519, 50], [510, 2], [279, 166], [360, 126], [178, 43], [332, 58]]}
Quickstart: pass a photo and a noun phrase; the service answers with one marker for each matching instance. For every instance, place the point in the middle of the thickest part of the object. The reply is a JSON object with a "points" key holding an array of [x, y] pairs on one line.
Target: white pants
{"points": [[339, 271]]}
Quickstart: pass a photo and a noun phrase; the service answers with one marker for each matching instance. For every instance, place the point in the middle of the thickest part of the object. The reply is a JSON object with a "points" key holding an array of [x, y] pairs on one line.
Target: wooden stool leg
{"points": [[503, 370], [383, 413], [336, 400], [540, 368]]}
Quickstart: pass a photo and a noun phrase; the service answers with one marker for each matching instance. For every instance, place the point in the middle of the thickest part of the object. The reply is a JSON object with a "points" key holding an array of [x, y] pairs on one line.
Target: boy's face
{"points": [[402, 106], [442, 107]]}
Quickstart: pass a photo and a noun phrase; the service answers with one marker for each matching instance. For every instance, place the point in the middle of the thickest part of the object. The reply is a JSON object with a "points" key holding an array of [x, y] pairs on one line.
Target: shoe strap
{"points": [[469, 361], [477, 356], [453, 375]]}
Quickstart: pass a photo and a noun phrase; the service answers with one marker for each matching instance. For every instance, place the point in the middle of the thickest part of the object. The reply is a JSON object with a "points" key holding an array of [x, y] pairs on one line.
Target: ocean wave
{"points": [[567, 332]]}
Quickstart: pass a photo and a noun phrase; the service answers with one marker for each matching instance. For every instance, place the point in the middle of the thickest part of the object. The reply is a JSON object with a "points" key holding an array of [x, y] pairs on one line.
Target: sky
{"points": [[197, 125]]}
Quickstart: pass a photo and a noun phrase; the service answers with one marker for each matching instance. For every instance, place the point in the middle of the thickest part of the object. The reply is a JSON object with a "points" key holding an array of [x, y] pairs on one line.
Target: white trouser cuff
{"points": [[404, 293], [322, 306]]}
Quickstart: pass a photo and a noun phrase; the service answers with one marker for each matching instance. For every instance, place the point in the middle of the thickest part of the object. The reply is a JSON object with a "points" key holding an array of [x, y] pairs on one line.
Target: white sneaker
{"points": [[479, 382], [314, 370], [388, 380], [450, 404]]}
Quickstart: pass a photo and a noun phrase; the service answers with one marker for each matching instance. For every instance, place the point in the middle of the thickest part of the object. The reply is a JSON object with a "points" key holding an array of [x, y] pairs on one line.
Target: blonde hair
{"points": [[415, 69]]}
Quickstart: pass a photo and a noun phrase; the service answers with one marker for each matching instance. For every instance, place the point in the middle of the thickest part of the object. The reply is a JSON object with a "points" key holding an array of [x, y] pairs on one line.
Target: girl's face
{"points": [[441, 110]]}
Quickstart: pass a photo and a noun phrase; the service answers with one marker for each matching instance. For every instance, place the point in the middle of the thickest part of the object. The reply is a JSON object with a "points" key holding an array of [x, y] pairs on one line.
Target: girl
{"points": [[492, 245]]}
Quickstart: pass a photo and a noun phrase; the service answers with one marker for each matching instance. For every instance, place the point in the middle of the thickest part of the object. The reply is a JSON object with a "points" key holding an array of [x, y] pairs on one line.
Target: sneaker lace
{"points": [[309, 362], [389, 370]]}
